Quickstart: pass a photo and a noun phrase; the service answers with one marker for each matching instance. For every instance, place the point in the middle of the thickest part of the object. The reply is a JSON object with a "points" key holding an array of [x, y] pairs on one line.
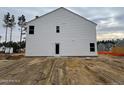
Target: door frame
{"points": [[55, 49]]}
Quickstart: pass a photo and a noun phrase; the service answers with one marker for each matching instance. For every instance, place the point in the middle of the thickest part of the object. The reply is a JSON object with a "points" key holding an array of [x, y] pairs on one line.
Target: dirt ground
{"points": [[62, 70]]}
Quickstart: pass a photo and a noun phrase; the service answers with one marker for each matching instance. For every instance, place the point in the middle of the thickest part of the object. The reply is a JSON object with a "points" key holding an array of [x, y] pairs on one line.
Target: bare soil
{"points": [[62, 70]]}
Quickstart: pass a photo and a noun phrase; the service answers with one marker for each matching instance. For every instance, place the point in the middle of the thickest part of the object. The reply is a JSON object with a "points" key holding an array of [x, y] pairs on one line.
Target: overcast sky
{"points": [[110, 20]]}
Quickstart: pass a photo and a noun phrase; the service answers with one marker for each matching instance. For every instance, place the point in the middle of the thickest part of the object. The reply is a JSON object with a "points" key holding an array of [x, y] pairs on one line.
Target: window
{"points": [[92, 47], [31, 29], [57, 29], [57, 48]]}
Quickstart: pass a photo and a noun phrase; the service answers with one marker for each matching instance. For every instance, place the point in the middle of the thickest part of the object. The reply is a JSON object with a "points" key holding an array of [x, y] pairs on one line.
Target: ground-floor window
{"points": [[92, 47]]}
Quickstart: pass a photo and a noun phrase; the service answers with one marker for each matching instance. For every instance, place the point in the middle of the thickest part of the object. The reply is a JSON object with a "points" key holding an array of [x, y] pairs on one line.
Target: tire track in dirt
{"points": [[119, 66], [51, 71], [41, 72], [37, 73], [5, 70], [105, 75], [74, 72], [58, 75]]}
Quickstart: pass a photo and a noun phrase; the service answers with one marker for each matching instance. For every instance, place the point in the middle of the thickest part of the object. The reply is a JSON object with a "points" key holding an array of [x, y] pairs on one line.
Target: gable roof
{"points": [[64, 9]]}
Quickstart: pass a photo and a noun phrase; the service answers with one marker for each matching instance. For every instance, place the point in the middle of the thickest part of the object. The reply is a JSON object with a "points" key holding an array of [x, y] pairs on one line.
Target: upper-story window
{"points": [[57, 29], [92, 47], [31, 29]]}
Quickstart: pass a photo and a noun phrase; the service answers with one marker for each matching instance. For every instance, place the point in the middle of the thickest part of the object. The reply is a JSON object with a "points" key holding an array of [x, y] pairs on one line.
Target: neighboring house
{"points": [[6, 49], [61, 33], [9, 50]]}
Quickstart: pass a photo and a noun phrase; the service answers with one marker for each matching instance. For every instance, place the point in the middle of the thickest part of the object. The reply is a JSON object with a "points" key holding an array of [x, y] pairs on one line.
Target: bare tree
{"points": [[11, 24], [22, 24], [6, 24]]}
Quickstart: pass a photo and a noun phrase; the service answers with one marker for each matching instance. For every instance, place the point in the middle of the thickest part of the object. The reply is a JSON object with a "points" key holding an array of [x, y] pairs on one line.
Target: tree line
{"points": [[106, 45], [9, 24], [15, 45]]}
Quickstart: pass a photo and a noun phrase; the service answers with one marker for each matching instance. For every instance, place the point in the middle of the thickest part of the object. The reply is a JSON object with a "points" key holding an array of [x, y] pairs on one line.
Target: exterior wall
{"points": [[74, 38]]}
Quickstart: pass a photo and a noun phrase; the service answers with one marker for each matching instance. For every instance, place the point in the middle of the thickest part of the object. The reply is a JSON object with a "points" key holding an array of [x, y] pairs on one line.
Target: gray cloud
{"points": [[120, 18], [115, 28]]}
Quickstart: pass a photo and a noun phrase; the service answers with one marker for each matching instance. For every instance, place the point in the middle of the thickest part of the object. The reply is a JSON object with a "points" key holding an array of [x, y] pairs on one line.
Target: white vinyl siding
{"points": [[74, 37]]}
